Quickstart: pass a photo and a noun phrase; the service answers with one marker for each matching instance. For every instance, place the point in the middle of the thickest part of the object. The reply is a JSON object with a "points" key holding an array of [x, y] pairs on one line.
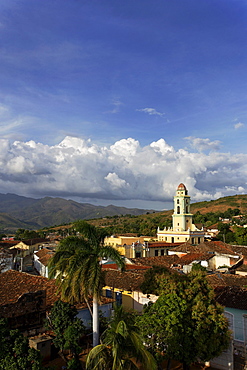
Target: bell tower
{"points": [[182, 218]]}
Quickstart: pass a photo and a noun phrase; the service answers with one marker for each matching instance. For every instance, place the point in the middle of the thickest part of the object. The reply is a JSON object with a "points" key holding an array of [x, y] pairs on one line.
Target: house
{"points": [[158, 248], [26, 299], [234, 300], [6, 260], [27, 247], [183, 229], [41, 259], [129, 245], [124, 286], [222, 254]]}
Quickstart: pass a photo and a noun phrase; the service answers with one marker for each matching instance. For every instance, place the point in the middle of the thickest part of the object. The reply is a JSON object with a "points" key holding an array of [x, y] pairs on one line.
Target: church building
{"points": [[183, 230]]}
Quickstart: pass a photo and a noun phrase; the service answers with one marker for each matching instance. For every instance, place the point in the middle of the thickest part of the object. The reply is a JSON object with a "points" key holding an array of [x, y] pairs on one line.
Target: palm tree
{"points": [[77, 268], [121, 346]]}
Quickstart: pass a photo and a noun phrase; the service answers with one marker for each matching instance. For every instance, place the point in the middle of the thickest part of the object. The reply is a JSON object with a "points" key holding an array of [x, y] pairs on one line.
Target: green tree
{"points": [[77, 268], [64, 323], [240, 235], [22, 234], [121, 346], [15, 353], [185, 323], [225, 234], [151, 283]]}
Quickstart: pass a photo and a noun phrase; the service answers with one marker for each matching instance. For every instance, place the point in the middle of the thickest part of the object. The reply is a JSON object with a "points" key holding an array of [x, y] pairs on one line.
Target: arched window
{"points": [[178, 210], [177, 201], [187, 209]]}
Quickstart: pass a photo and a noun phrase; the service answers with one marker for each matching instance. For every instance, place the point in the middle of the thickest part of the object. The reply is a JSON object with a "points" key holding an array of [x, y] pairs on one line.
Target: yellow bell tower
{"points": [[182, 218], [183, 229]]}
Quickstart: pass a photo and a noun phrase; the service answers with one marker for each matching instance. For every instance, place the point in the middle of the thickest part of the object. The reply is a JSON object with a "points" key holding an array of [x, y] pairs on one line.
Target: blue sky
{"points": [[137, 95]]}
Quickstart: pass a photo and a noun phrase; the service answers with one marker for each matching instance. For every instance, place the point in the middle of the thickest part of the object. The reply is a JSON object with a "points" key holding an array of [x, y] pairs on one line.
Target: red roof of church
{"points": [[181, 186]]}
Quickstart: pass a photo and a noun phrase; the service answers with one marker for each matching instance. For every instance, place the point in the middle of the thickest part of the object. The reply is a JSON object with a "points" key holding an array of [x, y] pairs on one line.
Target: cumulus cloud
{"points": [[238, 125], [126, 170], [151, 111], [203, 144]]}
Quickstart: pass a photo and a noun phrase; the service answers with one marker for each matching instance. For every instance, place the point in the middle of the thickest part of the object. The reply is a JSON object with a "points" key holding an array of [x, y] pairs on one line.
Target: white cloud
{"points": [[117, 104], [124, 171], [238, 125], [203, 144], [115, 181], [151, 111]]}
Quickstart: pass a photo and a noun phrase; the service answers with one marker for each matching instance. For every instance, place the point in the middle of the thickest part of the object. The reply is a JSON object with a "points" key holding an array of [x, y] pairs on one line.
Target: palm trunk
{"points": [[95, 322]]}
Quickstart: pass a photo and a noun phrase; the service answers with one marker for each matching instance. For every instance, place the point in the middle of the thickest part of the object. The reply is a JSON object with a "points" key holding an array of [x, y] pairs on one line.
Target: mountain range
{"points": [[29, 213], [34, 214]]}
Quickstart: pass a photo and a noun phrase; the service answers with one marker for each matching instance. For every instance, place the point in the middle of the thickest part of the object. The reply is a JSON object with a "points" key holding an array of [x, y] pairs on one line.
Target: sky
{"points": [[119, 101]]}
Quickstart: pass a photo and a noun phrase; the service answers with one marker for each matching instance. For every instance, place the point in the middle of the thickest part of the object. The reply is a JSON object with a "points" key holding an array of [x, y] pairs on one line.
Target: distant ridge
{"points": [[33, 214], [29, 213]]}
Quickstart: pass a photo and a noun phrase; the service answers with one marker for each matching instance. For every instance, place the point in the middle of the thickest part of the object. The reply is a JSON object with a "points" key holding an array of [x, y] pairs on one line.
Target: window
{"points": [[178, 210], [162, 252], [177, 201], [108, 293], [118, 298], [156, 252]]}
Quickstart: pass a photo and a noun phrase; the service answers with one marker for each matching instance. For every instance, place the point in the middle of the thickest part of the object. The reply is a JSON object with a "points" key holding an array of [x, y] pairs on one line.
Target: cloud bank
{"points": [[123, 171]]}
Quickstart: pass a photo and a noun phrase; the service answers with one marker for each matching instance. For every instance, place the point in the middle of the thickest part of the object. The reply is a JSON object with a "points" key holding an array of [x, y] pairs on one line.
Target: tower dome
{"points": [[181, 187]]}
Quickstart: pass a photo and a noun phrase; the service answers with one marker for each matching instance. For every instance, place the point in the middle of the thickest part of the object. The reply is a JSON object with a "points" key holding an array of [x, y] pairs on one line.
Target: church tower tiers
{"points": [[182, 218], [182, 230]]}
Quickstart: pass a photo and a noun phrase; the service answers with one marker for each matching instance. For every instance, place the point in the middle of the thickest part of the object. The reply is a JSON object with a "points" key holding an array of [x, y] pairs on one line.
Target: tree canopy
{"points": [[15, 353], [121, 346], [77, 268], [186, 323]]}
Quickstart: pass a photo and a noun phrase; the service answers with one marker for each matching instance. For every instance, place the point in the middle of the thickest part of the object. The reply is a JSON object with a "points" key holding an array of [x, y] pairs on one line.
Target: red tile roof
{"points": [[165, 261], [227, 280], [128, 280], [190, 257], [113, 266], [162, 244], [13, 284], [211, 246], [231, 296], [42, 252]]}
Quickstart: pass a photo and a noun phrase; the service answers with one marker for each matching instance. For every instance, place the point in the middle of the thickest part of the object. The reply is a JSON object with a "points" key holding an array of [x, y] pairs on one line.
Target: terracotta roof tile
{"points": [[211, 246], [231, 296], [14, 284], [190, 257], [165, 261], [128, 280], [113, 266], [227, 280]]}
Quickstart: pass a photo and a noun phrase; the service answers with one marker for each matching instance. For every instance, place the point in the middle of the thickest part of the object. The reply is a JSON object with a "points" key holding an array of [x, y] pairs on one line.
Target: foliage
{"points": [[185, 323], [121, 346], [76, 266], [66, 326], [240, 235], [22, 234], [225, 234], [15, 353], [152, 276], [214, 217]]}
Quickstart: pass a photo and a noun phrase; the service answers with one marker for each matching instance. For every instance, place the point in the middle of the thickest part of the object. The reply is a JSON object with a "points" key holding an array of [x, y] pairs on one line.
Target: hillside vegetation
{"points": [[34, 214]]}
